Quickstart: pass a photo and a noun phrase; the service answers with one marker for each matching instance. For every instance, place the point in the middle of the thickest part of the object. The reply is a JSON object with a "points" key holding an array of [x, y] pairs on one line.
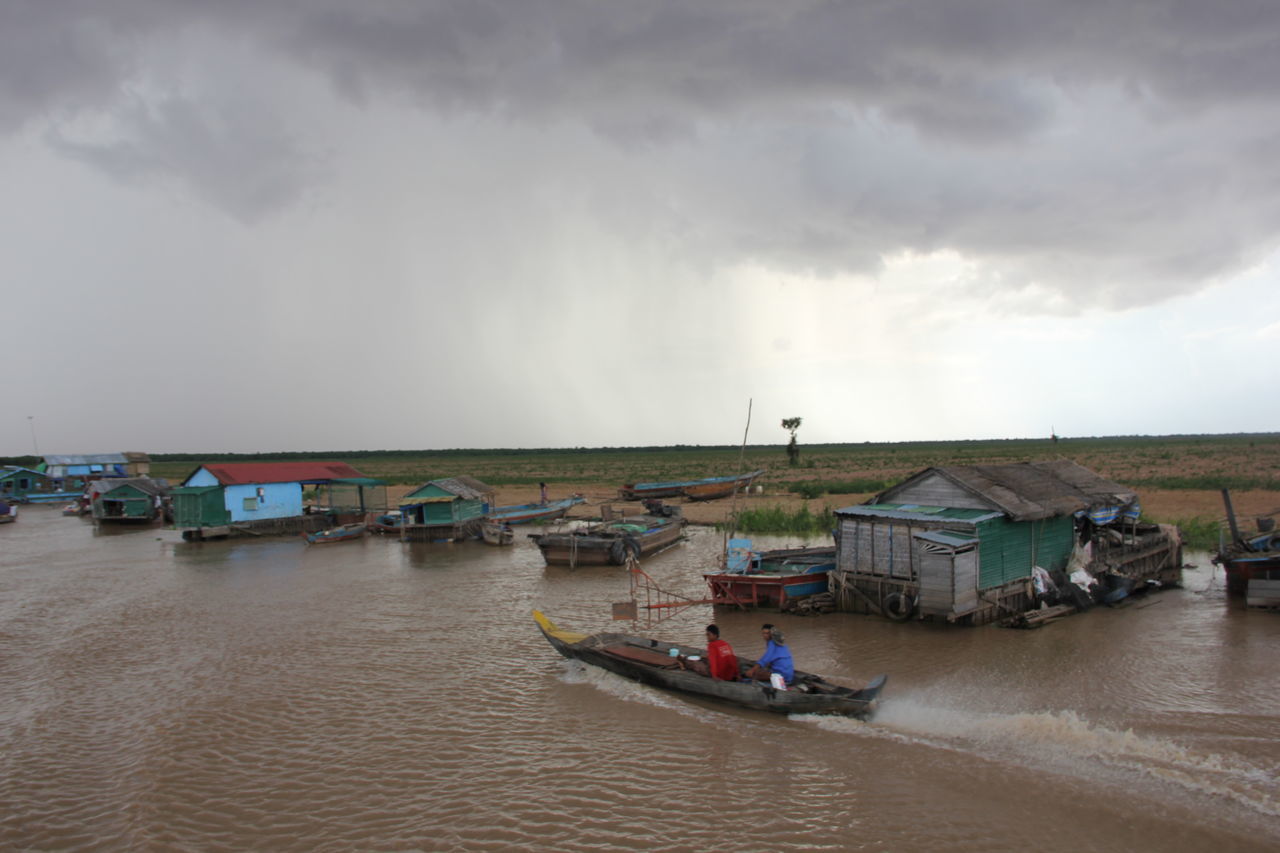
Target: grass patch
{"points": [[817, 488], [1200, 534], [775, 519]]}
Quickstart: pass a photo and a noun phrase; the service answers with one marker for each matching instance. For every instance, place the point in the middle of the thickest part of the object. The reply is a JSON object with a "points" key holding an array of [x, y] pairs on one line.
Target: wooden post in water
{"points": [[1231, 517]]}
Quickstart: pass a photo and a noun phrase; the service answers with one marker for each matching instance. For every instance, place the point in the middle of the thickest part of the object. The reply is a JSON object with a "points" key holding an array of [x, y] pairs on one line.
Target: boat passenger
{"points": [[720, 657], [776, 657], [542, 493]]}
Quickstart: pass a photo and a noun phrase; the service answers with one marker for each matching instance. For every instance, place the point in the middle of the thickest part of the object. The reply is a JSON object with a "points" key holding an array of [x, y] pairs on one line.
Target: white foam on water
{"points": [[1064, 742]]}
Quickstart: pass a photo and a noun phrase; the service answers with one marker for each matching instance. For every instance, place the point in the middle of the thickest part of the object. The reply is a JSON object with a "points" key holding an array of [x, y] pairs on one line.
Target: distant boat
{"points": [[497, 533], [704, 489], [344, 533], [610, 542], [770, 578], [524, 513]]}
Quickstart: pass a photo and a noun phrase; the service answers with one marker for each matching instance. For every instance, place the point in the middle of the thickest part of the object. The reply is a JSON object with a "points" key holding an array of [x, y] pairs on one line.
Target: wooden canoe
{"points": [[651, 662], [610, 542]]}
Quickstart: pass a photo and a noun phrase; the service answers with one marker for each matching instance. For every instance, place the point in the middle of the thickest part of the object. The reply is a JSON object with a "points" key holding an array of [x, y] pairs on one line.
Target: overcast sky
{"points": [[324, 224]]}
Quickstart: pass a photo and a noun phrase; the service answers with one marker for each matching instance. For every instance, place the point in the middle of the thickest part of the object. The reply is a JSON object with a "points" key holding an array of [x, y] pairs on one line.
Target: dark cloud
{"points": [[1118, 151]]}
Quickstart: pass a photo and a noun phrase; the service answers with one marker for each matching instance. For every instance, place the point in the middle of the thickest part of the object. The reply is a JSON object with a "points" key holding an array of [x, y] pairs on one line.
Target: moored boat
{"points": [[705, 488], [8, 512], [610, 542], [709, 490], [497, 533], [1246, 557], [666, 665], [386, 522], [525, 513], [770, 578], [342, 533]]}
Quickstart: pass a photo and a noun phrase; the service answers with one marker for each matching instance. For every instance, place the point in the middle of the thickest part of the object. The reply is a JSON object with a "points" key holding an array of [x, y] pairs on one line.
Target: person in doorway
{"points": [[720, 657], [776, 657], [542, 493]]}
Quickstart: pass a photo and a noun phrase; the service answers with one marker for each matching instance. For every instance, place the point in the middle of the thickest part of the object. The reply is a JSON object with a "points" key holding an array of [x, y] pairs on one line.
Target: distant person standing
{"points": [[720, 657], [542, 493]]}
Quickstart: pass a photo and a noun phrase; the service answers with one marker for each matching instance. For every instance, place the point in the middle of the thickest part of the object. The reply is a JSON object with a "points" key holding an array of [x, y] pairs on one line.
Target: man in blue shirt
{"points": [[776, 657]]}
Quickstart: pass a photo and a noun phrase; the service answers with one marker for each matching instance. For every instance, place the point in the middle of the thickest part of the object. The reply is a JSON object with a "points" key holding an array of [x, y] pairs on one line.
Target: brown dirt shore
{"points": [[1166, 506]]}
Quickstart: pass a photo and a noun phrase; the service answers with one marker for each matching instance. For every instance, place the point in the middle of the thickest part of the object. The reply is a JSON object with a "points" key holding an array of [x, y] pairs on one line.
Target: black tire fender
{"points": [[618, 552], [898, 606]]}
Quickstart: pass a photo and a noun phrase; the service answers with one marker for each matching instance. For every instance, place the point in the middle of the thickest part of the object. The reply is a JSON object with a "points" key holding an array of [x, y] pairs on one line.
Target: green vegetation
{"points": [[1199, 534], [818, 488], [778, 520]]}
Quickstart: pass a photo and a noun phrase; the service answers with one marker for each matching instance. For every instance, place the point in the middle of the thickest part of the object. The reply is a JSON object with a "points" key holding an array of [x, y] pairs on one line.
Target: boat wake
{"points": [[1064, 742]]}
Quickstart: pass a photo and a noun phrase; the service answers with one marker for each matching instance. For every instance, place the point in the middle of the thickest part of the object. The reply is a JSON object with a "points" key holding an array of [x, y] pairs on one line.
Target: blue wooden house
{"points": [[248, 498]]}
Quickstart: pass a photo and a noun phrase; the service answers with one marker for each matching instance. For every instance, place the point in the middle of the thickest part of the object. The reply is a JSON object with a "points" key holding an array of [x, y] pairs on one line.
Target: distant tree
{"points": [[793, 450]]}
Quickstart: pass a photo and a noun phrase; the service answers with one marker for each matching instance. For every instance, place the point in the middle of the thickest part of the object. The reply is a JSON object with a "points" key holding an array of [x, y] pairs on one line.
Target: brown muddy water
{"points": [[267, 695]]}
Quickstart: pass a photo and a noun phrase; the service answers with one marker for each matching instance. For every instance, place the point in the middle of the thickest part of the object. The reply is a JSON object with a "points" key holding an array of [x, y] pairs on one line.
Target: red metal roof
{"points": [[242, 473]]}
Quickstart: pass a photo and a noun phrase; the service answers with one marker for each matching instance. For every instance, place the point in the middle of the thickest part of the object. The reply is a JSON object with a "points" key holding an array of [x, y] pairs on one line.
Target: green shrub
{"points": [[775, 519]]}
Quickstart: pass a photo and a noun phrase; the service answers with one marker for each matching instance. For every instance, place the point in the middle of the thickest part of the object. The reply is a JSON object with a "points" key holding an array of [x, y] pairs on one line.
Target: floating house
{"points": [[26, 485], [980, 543], [128, 500], [86, 467], [257, 498], [448, 509]]}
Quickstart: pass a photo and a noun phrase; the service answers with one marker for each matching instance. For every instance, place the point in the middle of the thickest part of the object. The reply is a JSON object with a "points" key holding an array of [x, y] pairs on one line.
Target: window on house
{"points": [[250, 503]]}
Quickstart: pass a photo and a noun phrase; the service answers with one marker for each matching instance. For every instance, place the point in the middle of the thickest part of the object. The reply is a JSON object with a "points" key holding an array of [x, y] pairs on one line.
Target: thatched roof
{"points": [[1028, 491]]}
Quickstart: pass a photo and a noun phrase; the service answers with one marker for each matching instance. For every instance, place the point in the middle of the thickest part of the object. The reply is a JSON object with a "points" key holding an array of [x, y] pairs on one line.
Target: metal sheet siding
{"points": [[1010, 548]]}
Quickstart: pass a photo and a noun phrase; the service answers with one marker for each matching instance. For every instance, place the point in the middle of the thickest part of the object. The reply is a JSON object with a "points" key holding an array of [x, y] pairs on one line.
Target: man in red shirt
{"points": [[720, 657]]}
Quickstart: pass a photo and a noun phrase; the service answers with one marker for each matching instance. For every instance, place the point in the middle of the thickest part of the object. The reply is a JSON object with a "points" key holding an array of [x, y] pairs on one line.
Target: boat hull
{"points": [[712, 487], [650, 662], [610, 543], [346, 533], [525, 513], [764, 590]]}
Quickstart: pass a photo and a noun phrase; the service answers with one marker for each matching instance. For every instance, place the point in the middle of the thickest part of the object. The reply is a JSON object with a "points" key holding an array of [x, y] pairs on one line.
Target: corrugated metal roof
{"points": [[90, 459], [914, 512], [1028, 491], [950, 538], [463, 486], [142, 484], [245, 473]]}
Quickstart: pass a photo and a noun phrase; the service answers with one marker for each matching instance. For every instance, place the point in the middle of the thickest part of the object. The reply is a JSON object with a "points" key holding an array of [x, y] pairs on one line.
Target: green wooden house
{"points": [[451, 508], [963, 542], [132, 500]]}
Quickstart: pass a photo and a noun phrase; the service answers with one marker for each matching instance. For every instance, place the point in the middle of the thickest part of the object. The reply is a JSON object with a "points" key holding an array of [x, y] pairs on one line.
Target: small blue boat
{"points": [[524, 513]]}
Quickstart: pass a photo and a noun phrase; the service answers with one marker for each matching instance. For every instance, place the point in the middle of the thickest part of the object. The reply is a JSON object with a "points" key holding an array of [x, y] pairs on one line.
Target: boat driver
{"points": [[776, 657]]}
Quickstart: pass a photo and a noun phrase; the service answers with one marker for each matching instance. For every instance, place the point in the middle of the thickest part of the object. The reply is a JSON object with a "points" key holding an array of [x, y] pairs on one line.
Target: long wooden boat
{"points": [[676, 488], [497, 533], [709, 491], [773, 578], [343, 533], [610, 542], [654, 663], [525, 513]]}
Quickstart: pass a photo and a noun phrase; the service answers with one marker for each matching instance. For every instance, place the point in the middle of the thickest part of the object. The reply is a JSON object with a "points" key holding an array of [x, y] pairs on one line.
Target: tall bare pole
{"points": [[31, 419], [733, 509]]}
